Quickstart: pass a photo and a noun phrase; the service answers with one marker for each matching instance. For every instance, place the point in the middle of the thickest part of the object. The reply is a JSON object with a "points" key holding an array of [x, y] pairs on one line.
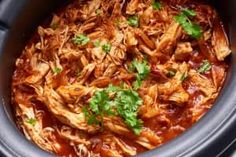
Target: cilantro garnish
{"points": [[57, 70], [31, 121], [81, 39], [133, 21], [189, 13], [143, 69], [184, 76], [190, 28], [138, 82], [127, 102], [99, 106], [106, 47], [206, 66], [156, 5], [97, 43], [124, 102]]}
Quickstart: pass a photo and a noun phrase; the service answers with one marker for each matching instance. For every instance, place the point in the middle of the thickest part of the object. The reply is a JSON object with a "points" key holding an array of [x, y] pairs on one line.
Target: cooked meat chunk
{"points": [[220, 42], [183, 51], [169, 38]]}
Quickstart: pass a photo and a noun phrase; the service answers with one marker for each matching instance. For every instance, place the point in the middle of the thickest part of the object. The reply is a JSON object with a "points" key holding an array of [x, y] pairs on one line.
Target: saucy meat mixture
{"points": [[113, 78]]}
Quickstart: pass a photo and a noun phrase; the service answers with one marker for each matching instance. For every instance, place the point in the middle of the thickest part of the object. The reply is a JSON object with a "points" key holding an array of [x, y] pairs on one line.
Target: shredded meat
{"points": [[135, 45]]}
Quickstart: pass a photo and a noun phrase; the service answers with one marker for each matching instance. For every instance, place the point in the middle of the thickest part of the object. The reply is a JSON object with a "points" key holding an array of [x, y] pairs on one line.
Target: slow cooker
{"points": [[207, 138]]}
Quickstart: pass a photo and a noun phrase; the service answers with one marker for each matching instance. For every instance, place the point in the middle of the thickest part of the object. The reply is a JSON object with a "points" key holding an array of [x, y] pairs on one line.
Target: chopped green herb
{"points": [[124, 101], [93, 120], [128, 102], [81, 39], [97, 43], [99, 103], [137, 83], [206, 66], [31, 121], [106, 47], [99, 106], [184, 76], [133, 21], [156, 5], [124, 85], [189, 12], [85, 111], [171, 73], [190, 28], [143, 70], [57, 70], [112, 89]]}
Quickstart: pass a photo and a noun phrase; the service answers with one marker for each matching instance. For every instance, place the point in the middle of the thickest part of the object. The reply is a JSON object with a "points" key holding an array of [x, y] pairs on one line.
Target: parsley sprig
{"points": [[190, 28], [124, 103], [143, 70]]}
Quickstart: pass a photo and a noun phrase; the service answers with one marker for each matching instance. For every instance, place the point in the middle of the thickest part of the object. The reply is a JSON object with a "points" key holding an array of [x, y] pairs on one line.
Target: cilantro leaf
{"points": [[133, 21], [31, 121], [206, 66], [184, 76], [137, 83], [189, 12], [190, 28], [106, 47], [111, 89], [143, 71], [156, 5], [97, 43], [81, 39], [142, 68], [99, 102], [93, 120], [194, 30], [57, 70], [99, 106], [124, 101], [128, 102]]}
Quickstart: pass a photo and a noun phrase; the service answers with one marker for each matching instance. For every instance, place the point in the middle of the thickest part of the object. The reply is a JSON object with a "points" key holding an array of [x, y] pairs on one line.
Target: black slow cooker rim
{"points": [[208, 137]]}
